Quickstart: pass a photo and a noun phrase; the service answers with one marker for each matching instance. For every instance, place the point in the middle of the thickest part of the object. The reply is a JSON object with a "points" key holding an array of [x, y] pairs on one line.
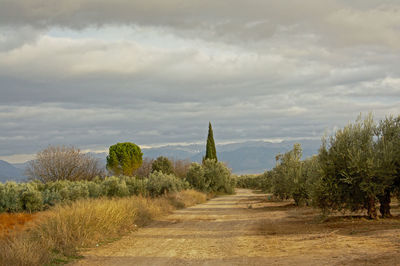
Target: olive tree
{"points": [[350, 169], [388, 163]]}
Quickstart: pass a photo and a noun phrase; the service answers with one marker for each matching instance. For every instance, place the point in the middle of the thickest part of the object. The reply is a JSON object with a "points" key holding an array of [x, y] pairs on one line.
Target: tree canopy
{"points": [[124, 158]]}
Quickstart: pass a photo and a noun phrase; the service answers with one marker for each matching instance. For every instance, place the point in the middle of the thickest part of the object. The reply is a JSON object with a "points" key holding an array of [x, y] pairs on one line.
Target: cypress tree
{"points": [[211, 152]]}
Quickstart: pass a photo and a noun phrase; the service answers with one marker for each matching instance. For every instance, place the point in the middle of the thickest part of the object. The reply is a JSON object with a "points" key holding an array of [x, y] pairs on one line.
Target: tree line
{"points": [[61, 173], [355, 169]]}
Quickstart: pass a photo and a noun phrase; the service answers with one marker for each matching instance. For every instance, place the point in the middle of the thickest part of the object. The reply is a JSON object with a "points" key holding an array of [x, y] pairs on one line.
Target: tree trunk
{"points": [[372, 214], [384, 200]]}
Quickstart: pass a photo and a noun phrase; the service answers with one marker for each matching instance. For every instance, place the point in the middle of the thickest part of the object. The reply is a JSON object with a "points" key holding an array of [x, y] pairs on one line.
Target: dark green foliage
{"points": [[124, 158], [162, 164], [211, 152]]}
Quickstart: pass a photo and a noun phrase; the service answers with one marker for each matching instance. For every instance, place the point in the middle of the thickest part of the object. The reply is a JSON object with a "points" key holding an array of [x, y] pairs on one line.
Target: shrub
{"points": [[212, 176], [218, 176], [162, 164], [2, 198], [136, 186], [63, 163], [195, 177], [78, 190], [31, 199], [12, 202], [115, 187], [95, 190], [160, 183]]}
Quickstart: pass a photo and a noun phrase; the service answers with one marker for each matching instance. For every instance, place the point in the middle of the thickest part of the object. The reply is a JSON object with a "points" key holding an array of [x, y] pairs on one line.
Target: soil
{"points": [[249, 229]]}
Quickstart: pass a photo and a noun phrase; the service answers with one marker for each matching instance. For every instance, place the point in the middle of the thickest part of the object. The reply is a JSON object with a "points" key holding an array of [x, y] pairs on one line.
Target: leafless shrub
{"points": [[181, 167], [145, 169], [63, 163]]}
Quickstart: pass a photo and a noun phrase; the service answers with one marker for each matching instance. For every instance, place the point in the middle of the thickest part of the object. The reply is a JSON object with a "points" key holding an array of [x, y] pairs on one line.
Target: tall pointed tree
{"points": [[211, 152]]}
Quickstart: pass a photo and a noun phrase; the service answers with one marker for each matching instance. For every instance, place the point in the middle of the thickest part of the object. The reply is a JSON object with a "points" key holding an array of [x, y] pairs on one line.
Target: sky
{"points": [[91, 73]]}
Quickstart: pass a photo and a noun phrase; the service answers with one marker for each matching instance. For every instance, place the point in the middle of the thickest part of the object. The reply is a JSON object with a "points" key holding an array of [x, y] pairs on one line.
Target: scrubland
{"points": [[56, 235]]}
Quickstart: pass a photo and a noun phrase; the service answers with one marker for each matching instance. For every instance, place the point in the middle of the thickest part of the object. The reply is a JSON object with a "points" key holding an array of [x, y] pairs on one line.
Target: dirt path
{"points": [[246, 229]]}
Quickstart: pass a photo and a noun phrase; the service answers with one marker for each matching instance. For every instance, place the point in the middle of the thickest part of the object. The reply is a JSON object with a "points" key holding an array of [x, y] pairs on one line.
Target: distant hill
{"points": [[244, 158], [249, 157], [9, 172]]}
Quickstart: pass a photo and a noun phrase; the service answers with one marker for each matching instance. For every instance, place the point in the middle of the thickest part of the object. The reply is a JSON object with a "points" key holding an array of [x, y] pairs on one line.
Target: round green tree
{"points": [[124, 158]]}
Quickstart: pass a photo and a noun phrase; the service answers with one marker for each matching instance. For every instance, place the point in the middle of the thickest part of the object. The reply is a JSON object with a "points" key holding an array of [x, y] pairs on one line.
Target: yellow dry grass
{"points": [[60, 232]]}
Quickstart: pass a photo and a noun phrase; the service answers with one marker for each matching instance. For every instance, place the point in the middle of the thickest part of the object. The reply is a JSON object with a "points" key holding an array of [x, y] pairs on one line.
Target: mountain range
{"points": [[243, 158]]}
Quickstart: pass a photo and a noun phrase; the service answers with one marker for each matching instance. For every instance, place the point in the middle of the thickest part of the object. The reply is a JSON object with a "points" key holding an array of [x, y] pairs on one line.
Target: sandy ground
{"points": [[247, 229]]}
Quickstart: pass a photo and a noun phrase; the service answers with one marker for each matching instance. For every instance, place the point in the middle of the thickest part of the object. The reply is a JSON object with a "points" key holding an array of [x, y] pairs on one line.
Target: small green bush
{"points": [[212, 176], [11, 197], [195, 177], [30, 198], [115, 187], [160, 183]]}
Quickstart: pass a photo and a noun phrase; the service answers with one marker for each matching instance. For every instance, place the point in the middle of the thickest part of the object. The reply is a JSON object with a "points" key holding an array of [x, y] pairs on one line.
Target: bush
{"points": [[212, 176], [31, 199], [115, 187], [35, 196], [137, 186], [195, 177], [63, 163], [95, 190], [160, 183], [218, 176], [262, 182], [2, 198], [162, 164], [12, 202]]}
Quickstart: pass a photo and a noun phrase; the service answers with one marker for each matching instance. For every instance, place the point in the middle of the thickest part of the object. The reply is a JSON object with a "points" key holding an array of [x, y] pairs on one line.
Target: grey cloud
{"points": [[256, 69], [336, 21]]}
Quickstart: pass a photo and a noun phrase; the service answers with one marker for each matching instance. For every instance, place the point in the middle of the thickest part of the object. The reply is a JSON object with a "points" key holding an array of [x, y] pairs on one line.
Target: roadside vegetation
{"points": [[57, 235], [356, 169], [70, 203]]}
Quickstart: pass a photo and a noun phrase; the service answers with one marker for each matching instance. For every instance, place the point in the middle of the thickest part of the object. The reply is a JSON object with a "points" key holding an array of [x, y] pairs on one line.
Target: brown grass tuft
{"points": [[11, 222]]}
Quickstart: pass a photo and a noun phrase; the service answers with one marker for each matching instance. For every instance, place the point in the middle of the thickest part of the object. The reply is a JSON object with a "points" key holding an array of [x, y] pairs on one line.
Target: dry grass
{"points": [[59, 233], [11, 222]]}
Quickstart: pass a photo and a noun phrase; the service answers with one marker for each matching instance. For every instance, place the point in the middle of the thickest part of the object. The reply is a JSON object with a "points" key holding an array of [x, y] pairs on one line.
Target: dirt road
{"points": [[247, 229]]}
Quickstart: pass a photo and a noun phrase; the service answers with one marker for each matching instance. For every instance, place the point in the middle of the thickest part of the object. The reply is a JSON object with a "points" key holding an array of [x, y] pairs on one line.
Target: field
{"points": [[248, 229]]}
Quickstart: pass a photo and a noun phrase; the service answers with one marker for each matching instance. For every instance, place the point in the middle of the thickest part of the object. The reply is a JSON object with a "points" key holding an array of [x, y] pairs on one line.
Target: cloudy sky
{"points": [[91, 73]]}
